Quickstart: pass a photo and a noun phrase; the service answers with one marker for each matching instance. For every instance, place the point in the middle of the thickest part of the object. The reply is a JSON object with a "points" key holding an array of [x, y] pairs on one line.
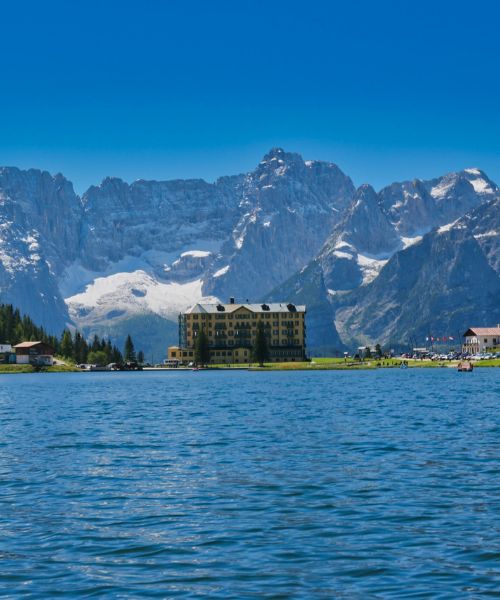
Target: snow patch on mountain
{"points": [[133, 293], [196, 253], [447, 227], [370, 267], [410, 241], [340, 254], [221, 271]]}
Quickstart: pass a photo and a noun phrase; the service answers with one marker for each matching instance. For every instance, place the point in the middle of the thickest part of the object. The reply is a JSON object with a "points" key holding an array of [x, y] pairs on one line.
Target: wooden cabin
{"points": [[34, 353]]}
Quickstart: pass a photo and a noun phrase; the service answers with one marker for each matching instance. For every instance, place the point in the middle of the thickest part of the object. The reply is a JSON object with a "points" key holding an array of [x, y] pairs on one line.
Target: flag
{"points": [[451, 337], [427, 339]]}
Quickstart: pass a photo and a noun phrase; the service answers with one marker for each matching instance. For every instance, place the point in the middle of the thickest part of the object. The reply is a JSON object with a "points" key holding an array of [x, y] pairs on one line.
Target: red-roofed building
{"points": [[481, 339], [34, 353]]}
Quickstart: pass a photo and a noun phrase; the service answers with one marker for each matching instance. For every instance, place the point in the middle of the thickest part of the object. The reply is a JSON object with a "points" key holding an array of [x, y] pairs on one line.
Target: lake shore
{"points": [[316, 364]]}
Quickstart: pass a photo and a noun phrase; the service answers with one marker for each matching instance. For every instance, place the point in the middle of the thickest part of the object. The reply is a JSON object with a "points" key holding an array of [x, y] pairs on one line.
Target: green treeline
{"points": [[16, 328]]}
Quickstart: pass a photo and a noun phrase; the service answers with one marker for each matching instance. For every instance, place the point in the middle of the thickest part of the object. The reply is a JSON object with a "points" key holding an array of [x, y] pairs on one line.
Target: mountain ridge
{"points": [[129, 250]]}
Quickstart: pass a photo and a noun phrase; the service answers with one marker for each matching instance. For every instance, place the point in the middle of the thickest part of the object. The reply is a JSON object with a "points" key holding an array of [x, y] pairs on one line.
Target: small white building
{"points": [[481, 339]]}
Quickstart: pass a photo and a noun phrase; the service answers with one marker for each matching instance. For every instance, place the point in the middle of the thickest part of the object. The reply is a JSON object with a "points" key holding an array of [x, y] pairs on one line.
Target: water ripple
{"points": [[282, 485]]}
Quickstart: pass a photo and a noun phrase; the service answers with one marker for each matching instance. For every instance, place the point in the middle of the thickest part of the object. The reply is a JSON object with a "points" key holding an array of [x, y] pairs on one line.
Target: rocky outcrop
{"points": [[451, 278], [288, 207], [40, 221]]}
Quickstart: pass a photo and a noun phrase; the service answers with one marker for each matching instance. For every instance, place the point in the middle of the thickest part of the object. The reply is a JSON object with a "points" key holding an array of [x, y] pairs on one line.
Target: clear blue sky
{"points": [[163, 89]]}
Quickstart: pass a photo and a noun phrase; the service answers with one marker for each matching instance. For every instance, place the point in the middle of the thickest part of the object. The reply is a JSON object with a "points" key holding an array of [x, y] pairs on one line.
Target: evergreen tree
{"points": [[140, 357], [201, 348], [129, 351], [260, 351], [80, 348], [116, 356], [368, 352], [67, 348], [108, 349], [378, 351], [96, 344]]}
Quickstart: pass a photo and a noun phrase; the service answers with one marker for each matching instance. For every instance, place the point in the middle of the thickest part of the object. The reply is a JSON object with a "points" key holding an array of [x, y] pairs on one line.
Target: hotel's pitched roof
{"points": [[282, 307], [483, 331]]}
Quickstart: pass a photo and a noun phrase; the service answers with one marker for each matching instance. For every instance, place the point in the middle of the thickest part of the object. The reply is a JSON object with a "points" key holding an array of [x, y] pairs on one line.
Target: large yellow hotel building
{"points": [[231, 330]]}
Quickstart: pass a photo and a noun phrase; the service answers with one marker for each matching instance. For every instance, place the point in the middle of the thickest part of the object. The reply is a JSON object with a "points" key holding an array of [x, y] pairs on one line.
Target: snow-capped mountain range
{"points": [[129, 257]]}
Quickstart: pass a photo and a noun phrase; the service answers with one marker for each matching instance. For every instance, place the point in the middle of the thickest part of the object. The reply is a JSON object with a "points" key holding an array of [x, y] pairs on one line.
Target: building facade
{"points": [[481, 339], [34, 353], [231, 330]]}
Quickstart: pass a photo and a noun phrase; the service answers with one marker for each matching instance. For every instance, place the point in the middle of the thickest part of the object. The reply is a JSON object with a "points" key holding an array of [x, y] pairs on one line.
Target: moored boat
{"points": [[465, 366]]}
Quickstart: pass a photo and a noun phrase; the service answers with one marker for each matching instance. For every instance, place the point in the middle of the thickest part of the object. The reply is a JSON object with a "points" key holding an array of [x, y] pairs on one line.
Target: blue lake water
{"points": [[379, 484]]}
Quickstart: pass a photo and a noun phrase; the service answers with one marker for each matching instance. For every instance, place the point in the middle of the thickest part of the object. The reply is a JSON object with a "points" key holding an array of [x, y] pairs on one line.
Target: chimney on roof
{"points": [[231, 300]]}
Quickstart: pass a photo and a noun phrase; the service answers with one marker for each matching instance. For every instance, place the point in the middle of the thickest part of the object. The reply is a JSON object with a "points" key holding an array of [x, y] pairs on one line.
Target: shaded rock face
{"points": [[290, 229], [358, 260], [287, 208], [40, 219], [442, 284], [167, 216], [310, 289], [363, 238], [417, 206], [37, 201]]}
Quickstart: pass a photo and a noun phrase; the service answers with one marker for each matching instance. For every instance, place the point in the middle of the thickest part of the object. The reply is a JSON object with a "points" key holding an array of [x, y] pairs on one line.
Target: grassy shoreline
{"points": [[18, 369], [339, 364], [316, 364]]}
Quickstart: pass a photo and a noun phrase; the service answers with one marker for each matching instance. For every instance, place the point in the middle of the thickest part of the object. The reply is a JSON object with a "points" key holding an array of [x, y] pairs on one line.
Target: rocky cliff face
{"points": [[445, 282], [288, 207], [127, 255], [40, 220], [371, 238], [417, 206]]}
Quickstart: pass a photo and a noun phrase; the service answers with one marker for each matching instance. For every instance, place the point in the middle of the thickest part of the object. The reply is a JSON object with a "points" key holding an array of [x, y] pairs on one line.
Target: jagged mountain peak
{"points": [[365, 196], [279, 162], [280, 154], [415, 207]]}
